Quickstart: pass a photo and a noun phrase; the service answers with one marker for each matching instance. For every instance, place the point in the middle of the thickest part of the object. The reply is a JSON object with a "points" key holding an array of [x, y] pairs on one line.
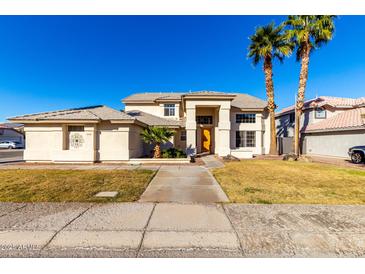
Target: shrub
{"points": [[173, 153]]}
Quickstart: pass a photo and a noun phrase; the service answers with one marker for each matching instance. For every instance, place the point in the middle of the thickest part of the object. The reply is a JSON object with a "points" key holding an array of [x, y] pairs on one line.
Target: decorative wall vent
{"points": [[76, 140]]}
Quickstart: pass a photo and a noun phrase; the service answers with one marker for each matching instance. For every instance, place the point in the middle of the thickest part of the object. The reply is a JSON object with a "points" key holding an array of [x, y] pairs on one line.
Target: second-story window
{"points": [[320, 113], [204, 120], [246, 118], [169, 110]]}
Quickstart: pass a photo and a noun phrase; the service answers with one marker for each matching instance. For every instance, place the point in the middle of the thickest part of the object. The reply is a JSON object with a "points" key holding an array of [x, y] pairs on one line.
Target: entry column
{"points": [[224, 127], [190, 129]]}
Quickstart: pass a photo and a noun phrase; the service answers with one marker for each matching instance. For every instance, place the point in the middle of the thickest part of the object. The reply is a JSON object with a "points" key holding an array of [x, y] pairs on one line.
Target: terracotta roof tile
{"points": [[349, 119], [327, 100]]}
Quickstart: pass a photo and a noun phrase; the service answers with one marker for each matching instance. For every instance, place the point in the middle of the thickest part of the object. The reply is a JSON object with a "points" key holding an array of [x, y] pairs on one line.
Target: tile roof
{"points": [[247, 101], [327, 100], [153, 120], [240, 100], [347, 120], [99, 112], [207, 92], [153, 96]]}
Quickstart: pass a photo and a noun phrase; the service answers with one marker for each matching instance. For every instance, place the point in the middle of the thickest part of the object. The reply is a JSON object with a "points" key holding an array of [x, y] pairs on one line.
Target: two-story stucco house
{"points": [[205, 121], [329, 125]]}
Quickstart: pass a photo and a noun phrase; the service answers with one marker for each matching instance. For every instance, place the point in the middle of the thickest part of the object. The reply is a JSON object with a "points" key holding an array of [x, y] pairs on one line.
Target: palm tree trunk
{"points": [[270, 103], [303, 77], [157, 153]]}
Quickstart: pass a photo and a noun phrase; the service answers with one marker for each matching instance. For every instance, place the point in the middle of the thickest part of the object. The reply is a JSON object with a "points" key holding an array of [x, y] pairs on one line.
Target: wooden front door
{"points": [[206, 139]]}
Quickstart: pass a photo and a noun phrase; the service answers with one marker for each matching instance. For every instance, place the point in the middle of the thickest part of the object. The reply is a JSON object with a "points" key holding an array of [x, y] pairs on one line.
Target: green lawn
{"points": [[273, 181], [72, 185]]}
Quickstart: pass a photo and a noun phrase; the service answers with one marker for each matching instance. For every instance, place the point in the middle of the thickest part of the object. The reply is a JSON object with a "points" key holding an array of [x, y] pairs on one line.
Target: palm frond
{"points": [[269, 41], [157, 135], [312, 30]]}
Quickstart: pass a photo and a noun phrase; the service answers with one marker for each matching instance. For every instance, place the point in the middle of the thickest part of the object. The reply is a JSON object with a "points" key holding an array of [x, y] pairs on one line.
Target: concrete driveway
{"points": [[185, 184], [180, 230]]}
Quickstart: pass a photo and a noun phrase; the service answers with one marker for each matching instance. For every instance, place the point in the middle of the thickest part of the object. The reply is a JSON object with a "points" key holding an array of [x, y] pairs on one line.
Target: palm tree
{"points": [[269, 43], [308, 32], [157, 136]]}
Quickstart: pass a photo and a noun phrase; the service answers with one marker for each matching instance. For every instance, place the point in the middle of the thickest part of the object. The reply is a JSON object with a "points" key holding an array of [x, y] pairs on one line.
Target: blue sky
{"points": [[57, 62]]}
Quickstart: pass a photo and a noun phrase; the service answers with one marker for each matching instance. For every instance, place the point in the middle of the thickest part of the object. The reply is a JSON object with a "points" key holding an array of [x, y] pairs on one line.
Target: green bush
{"points": [[173, 153]]}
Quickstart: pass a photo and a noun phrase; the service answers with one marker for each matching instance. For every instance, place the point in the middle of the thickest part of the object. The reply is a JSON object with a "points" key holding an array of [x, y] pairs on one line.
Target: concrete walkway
{"points": [[185, 184], [211, 161], [180, 230]]}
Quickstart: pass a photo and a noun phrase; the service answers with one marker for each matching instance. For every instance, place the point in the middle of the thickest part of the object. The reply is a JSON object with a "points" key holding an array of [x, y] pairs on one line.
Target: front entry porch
{"points": [[208, 126]]}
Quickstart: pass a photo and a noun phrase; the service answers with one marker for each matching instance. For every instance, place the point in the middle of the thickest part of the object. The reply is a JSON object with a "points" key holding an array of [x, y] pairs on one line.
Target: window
{"points": [[2, 131], [169, 110], [245, 138], [320, 113], [205, 120], [183, 135], [246, 118], [292, 117], [75, 128]]}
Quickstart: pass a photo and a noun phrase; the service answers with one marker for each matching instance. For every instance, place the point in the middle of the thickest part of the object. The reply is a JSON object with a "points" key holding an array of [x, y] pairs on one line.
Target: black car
{"points": [[357, 154]]}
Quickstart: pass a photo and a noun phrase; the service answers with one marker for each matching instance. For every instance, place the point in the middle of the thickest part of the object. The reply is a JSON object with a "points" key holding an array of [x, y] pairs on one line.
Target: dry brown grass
{"points": [[273, 181], [71, 185]]}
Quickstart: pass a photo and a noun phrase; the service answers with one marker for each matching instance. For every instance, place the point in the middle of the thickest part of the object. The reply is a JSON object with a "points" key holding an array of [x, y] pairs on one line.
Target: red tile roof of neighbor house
{"points": [[347, 120], [338, 102]]}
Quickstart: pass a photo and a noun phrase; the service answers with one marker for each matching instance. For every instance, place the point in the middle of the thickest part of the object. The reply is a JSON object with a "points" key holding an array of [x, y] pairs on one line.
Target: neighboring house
{"points": [[11, 132], [329, 126], [205, 121]]}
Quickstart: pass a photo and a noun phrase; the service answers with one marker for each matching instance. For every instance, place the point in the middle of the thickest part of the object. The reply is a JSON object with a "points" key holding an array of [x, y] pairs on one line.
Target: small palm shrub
{"points": [[157, 136]]}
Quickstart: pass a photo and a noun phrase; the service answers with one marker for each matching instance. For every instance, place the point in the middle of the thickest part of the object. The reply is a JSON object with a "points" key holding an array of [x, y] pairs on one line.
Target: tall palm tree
{"points": [[267, 44], [308, 32], [157, 136]]}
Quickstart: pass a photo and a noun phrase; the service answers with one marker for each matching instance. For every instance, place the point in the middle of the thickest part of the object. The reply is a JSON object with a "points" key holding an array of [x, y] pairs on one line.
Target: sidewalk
{"points": [[180, 230]]}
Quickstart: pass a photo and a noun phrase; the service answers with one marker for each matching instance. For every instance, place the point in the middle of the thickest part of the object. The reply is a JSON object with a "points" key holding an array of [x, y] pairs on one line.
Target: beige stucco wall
{"points": [[47, 142], [101, 142], [156, 109], [262, 129], [177, 139], [136, 143]]}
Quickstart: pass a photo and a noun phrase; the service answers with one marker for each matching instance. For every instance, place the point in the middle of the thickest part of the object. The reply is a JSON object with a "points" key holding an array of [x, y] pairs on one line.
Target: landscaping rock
{"points": [[230, 158], [305, 159], [290, 157]]}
